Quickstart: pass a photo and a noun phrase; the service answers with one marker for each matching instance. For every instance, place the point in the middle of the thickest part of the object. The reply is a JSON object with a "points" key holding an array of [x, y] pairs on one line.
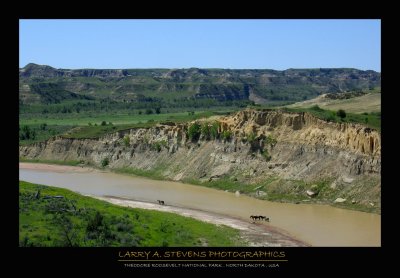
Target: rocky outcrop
{"points": [[261, 145]]}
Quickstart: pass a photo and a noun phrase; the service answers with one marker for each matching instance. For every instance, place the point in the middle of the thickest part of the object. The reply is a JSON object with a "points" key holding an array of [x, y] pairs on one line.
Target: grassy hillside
{"points": [[76, 220], [370, 102]]}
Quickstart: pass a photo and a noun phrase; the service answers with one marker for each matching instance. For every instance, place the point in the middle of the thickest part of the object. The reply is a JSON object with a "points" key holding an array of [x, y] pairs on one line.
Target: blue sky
{"points": [[250, 44]]}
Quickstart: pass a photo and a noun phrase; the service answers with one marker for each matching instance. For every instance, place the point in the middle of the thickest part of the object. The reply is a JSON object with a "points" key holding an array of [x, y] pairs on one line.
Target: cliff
{"points": [[281, 153]]}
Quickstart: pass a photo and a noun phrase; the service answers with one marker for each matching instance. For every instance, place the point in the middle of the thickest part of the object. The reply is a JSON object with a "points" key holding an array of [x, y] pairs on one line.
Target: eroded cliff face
{"points": [[259, 146]]}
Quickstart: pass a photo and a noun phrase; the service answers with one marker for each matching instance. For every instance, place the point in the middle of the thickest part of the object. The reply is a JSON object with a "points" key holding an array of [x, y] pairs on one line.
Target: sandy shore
{"points": [[256, 234], [54, 167]]}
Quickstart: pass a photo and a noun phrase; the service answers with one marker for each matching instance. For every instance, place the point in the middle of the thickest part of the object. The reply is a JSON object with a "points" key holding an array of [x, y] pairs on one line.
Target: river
{"points": [[318, 225]]}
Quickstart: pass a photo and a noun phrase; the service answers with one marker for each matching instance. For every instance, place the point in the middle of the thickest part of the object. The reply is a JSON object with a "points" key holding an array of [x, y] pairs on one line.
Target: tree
{"points": [[103, 123], [158, 110], [341, 113]]}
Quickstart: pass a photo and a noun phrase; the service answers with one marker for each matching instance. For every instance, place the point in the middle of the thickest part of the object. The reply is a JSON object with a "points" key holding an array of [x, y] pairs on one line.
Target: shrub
{"points": [[341, 113], [156, 146], [194, 132], [271, 141], [214, 130], [149, 111], [205, 131], [104, 162], [226, 135], [251, 137], [103, 123], [126, 141], [266, 155]]}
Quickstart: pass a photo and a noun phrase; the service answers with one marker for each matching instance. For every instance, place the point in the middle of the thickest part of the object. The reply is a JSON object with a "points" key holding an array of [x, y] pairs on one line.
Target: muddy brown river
{"points": [[318, 225]]}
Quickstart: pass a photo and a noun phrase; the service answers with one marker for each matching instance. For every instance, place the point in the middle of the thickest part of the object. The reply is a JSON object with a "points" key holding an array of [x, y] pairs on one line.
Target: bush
{"points": [[205, 131], [214, 130], [126, 141], [251, 137], [156, 146], [103, 123], [27, 134], [226, 135], [341, 113], [194, 132], [271, 141], [149, 111], [266, 155], [104, 162]]}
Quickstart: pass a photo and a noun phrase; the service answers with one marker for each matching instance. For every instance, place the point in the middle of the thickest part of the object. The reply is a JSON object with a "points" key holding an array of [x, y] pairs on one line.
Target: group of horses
{"points": [[259, 217], [253, 217]]}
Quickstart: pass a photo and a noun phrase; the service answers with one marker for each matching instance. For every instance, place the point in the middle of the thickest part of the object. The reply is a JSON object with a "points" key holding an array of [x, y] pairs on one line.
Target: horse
{"points": [[264, 218], [255, 217], [161, 202]]}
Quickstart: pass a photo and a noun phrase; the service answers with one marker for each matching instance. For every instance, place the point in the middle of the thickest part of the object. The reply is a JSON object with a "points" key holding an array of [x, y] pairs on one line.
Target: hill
{"points": [[193, 87], [363, 103]]}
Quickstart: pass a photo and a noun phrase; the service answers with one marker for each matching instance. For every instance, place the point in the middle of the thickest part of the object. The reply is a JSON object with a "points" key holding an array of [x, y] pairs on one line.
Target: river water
{"points": [[318, 225]]}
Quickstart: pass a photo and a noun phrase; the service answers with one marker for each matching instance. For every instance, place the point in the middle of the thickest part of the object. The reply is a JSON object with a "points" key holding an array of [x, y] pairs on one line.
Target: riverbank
{"points": [[256, 234], [55, 167], [224, 184], [319, 225], [57, 217]]}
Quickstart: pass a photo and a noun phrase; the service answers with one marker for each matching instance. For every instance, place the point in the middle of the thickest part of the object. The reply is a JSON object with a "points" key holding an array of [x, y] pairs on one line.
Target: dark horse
{"points": [[259, 217], [264, 218], [255, 217], [161, 202]]}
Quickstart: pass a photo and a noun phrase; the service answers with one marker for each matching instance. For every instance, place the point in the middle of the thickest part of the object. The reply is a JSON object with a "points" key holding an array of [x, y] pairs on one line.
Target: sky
{"points": [[234, 44]]}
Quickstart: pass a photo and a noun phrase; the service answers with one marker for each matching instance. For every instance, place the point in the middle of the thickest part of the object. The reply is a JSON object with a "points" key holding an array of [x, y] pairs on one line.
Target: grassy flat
{"points": [[76, 220]]}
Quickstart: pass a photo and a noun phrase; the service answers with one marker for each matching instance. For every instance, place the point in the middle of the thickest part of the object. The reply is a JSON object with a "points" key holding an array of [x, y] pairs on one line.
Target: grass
{"points": [[83, 130], [76, 220], [370, 102], [372, 120], [117, 118], [43, 133]]}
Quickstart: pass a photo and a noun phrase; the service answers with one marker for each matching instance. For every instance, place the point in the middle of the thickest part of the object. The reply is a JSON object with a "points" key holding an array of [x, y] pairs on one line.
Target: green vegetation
{"points": [[194, 132], [226, 135], [266, 154], [75, 220], [157, 146], [126, 141], [105, 162], [341, 113], [214, 130], [29, 134], [86, 128], [205, 131], [372, 120], [292, 191], [351, 102]]}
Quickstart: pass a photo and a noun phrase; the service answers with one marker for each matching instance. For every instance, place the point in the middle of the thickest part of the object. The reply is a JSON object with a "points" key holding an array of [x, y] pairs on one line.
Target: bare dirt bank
{"points": [[54, 168]]}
